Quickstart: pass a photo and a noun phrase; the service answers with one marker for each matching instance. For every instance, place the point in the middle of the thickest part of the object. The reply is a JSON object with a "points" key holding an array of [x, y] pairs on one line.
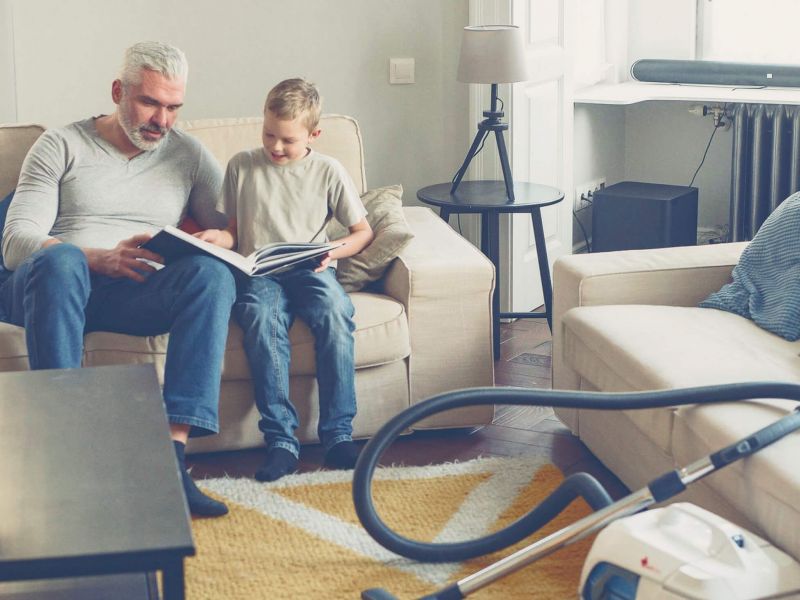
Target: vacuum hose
{"points": [[580, 484]]}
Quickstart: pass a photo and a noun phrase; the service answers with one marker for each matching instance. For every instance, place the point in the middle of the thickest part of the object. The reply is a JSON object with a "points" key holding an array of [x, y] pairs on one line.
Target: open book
{"points": [[173, 243]]}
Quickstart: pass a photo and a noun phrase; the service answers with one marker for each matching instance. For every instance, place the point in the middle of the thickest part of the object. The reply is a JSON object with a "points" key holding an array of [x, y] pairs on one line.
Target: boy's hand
{"points": [[323, 263], [212, 236]]}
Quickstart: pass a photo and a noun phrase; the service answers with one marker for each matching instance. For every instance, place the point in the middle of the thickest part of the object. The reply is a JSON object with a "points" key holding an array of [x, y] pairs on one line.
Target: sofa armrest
{"points": [[681, 276], [446, 285]]}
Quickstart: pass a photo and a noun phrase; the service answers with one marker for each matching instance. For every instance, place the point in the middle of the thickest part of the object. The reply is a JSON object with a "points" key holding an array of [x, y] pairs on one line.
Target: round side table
{"points": [[489, 199]]}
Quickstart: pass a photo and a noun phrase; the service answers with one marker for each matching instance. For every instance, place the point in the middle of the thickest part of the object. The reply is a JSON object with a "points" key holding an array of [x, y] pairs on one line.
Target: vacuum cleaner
{"points": [[677, 552]]}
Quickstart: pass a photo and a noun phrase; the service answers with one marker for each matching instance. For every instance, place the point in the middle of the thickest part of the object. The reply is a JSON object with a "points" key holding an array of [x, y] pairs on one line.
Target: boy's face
{"points": [[286, 141]]}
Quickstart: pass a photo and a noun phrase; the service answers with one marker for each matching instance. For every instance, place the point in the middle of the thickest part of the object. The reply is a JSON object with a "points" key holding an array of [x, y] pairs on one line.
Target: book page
{"points": [[285, 248], [229, 256], [268, 262]]}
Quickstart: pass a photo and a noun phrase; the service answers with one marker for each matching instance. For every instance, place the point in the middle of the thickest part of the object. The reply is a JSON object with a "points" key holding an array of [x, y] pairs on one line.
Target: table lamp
{"points": [[491, 54]]}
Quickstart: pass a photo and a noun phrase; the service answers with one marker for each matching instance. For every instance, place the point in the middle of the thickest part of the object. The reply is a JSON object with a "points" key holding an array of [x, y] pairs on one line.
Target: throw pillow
{"points": [[392, 234], [765, 286]]}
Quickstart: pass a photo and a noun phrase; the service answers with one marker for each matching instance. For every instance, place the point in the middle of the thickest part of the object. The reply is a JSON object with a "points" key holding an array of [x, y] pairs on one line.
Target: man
{"points": [[88, 196]]}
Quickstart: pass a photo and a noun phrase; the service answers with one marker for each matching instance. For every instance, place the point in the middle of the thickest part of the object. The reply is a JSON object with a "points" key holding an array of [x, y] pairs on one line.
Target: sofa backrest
{"points": [[15, 141], [341, 138]]}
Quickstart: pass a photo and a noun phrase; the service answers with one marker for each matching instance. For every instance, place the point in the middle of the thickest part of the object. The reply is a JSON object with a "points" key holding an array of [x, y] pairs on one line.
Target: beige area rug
{"points": [[300, 538]]}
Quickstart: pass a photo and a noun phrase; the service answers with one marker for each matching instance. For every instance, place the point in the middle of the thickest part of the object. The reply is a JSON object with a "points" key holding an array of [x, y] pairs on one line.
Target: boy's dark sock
{"points": [[279, 462], [199, 504], [342, 455]]}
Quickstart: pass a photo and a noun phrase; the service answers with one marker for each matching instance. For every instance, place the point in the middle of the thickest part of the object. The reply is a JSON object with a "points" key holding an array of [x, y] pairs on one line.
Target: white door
{"points": [[541, 133]]}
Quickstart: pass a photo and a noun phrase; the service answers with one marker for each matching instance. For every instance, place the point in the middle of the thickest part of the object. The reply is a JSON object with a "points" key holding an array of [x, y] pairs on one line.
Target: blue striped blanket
{"points": [[766, 281]]}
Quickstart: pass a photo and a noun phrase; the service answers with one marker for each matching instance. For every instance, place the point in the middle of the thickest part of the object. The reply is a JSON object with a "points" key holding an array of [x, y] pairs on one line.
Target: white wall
{"points": [[599, 152], [8, 106], [659, 142], [664, 143], [68, 53]]}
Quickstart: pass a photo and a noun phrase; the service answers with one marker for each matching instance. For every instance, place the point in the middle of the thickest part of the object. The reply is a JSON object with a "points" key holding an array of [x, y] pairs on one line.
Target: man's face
{"points": [[148, 110], [285, 140]]}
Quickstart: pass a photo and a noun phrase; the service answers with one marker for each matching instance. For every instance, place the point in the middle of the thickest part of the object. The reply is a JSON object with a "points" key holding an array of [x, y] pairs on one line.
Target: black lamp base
{"points": [[492, 123]]}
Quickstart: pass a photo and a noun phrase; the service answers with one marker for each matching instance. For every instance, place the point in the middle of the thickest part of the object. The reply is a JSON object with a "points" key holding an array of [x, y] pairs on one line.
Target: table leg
{"points": [[484, 234], [174, 580], [490, 229], [544, 266], [444, 213], [501, 150]]}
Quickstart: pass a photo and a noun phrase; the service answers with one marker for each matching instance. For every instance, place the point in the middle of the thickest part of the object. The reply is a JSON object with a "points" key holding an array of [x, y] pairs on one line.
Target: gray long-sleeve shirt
{"points": [[79, 188]]}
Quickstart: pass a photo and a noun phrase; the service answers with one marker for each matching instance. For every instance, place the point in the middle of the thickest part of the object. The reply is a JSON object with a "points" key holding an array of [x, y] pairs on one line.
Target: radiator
{"points": [[765, 166]]}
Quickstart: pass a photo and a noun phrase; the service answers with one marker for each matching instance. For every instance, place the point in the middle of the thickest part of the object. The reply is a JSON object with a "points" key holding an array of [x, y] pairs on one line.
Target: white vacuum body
{"points": [[683, 551]]}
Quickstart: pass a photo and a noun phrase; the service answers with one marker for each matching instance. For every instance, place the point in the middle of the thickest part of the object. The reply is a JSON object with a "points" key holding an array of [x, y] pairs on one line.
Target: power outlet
{"points": [[585, 191]]}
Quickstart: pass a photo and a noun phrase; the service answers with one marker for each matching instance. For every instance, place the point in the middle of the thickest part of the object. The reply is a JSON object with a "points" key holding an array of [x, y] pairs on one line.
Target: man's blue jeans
{"points": [[265, 309], [56, 298]]}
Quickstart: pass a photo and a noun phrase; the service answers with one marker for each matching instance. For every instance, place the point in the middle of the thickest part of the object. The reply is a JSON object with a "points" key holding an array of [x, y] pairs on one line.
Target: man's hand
{"points": [[323, 263], [124, 259]]}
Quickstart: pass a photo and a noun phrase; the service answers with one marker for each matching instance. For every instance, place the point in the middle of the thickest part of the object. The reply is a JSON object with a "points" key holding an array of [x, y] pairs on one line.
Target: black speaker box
{"points": [[631, 215], [712, 72]]}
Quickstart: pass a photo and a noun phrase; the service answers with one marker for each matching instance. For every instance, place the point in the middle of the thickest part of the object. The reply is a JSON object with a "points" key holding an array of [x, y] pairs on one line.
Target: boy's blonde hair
{"points": [[293, 98]]}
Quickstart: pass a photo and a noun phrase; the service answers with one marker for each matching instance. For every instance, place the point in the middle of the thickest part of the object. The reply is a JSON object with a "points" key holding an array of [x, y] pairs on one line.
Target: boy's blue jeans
{"points": [[56, 298], [265, 309]]}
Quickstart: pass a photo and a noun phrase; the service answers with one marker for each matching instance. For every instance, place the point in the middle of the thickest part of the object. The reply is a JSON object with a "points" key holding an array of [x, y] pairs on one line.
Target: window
{"points": [[753, 31]]}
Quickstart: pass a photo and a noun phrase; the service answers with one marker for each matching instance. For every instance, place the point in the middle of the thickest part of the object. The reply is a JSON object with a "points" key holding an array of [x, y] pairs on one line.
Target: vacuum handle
{"points": [[757, 441]]}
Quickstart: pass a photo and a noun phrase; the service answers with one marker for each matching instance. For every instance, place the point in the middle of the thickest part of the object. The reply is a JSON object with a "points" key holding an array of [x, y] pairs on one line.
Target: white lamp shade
{"points": [[492, 54]]}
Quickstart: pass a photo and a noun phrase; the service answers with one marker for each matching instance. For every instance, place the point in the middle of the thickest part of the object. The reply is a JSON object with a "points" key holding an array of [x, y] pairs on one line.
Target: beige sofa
{"points": [[628, 321], [427, 330]]}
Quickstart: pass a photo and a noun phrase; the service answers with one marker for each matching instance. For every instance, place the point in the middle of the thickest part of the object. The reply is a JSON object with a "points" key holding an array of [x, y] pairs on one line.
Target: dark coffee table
{"points": [[89, 484]]}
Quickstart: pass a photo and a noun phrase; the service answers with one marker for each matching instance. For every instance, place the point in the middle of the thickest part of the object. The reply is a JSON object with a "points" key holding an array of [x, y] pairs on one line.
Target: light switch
{"points": [[401, 70]]}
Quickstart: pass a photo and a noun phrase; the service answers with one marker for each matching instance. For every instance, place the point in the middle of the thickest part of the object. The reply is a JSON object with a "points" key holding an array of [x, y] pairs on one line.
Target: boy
{"points": [[286, 192]]}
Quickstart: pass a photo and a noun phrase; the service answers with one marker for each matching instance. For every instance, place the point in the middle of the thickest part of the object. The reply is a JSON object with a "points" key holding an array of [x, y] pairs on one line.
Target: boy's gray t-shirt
{"points": [[287, 203], [79, 188]]}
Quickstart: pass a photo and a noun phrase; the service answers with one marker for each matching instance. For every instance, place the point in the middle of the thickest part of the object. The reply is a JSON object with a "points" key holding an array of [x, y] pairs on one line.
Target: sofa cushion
{"points": [[765, 486], [13, 349], [392, 234], [15, 141], [381, 337], [633, 347], [341, 139]]}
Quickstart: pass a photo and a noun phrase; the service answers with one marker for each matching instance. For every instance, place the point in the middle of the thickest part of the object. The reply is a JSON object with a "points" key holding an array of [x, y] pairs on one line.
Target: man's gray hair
{"points": [[155, 56]]}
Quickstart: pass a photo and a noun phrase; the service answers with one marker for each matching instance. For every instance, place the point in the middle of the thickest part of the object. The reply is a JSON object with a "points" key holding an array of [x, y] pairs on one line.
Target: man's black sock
{"points": [[199, 504], [342, 455], [279, 462]]}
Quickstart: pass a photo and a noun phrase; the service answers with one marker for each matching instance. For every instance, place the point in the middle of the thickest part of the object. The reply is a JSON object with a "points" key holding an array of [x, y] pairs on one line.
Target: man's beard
{"points": [[135, 131]]}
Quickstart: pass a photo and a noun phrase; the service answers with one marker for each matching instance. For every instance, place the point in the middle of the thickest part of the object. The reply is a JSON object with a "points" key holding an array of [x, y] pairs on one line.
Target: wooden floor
{"points": [[516, 431]]}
